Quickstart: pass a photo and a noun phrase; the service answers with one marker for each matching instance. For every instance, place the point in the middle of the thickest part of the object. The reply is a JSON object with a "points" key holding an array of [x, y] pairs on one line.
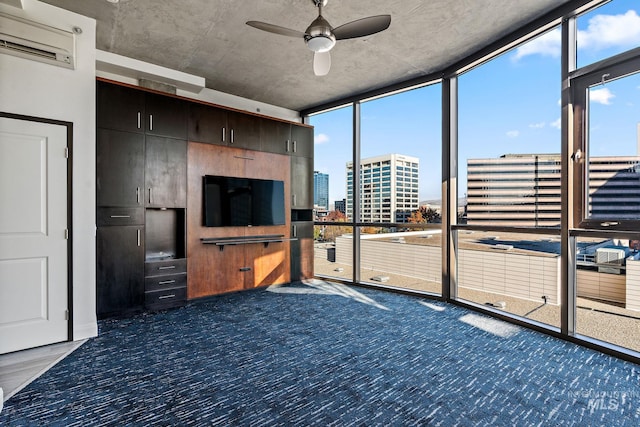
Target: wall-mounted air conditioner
{"points": [[35, 41]]}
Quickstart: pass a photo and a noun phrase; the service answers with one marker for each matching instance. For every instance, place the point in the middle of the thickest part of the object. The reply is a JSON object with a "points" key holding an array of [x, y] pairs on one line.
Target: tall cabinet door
{"points": [[166, 172], [302, 250], [301, 182], [120, 168], [120, 269]]}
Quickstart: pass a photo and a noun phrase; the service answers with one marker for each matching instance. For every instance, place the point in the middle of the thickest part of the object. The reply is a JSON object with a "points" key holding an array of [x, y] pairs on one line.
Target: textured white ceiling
{"points": [[209, 38]]}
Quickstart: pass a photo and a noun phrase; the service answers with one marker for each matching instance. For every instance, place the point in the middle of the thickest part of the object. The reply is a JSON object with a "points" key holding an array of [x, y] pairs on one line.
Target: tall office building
{"points": [[388, 188], [524, 189], [341, 205], [321, 190]]}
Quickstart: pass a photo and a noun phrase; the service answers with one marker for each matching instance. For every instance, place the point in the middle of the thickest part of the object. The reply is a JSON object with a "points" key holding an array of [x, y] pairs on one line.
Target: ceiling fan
{"points": [[320, 36]]}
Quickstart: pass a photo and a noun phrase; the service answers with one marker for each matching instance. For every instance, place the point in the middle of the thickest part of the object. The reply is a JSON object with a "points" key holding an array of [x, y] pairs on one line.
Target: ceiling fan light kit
{"points": [[320, 36]]}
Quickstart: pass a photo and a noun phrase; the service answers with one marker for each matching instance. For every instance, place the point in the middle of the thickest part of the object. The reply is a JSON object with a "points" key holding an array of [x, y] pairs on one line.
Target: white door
{"points": [[33, 241]]}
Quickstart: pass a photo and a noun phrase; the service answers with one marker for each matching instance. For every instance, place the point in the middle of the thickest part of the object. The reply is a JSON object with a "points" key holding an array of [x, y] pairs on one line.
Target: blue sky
{"points": [[509, 105]]}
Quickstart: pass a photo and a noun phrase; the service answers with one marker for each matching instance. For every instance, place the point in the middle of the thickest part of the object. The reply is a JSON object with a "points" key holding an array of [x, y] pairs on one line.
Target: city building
{"points": [[524, 189], [389, 188], [341, 205], [321, 190]]}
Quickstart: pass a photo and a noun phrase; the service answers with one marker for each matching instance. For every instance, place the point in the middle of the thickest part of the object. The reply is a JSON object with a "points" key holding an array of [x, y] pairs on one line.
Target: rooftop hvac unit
{"points": [[35, 41], [610, 256]]}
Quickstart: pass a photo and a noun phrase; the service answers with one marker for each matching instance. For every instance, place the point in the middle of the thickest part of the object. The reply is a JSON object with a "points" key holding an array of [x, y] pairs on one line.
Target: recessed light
{"points": [[113, 1]]}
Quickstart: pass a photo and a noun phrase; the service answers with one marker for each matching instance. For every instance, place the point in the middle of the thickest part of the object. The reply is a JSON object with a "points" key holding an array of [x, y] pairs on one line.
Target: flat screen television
{"points": [[230, 201]]}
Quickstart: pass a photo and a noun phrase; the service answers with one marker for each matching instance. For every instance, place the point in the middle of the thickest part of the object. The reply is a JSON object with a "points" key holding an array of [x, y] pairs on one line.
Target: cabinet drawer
{"points": [[120, 216], [165, 299], [162, 268], [161, 283]]}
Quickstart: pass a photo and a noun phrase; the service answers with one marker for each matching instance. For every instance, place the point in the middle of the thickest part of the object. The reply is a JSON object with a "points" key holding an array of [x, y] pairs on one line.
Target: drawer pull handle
{"points": [[245, 269], [168, 267], [167, 296], [120, 216], [166, 282]]}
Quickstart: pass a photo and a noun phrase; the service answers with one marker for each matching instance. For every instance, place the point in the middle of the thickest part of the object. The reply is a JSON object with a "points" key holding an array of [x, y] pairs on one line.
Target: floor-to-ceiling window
{"points": [[400, 192], [606, 232], [509, 143], [544, 182], [333, 150]]}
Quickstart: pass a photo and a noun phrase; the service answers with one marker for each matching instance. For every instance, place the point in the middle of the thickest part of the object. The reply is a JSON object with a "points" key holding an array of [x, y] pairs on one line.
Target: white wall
{"points": [[37, 89]]}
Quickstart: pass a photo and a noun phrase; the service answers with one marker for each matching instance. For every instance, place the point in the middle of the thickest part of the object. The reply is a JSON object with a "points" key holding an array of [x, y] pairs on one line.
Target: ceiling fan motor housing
{"points": [[319, 37]]}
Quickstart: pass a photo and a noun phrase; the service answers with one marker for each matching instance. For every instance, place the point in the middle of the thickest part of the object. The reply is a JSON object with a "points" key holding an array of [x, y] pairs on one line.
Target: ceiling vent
{"points": [[35, 41]]}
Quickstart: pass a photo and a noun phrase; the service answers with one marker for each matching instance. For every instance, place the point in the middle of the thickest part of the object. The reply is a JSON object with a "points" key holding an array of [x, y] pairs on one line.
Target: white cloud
{"points": [[321, 138], [556, 124], [604, 31], [601, 96], [548, 44], [513, 134], [537, 125]]}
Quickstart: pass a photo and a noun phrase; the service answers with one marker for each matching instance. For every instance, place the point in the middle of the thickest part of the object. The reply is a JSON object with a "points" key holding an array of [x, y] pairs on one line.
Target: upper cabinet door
{"points": [[207, 124], [301, 141], [275, 136], [165, 116], [120, 107], [166, 172], [243, 130], [119, 168]]}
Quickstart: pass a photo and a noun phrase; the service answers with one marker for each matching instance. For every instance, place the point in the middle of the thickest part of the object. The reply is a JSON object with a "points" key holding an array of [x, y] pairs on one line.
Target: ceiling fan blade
{"points": [[321, 63], [276, 29], [362, 27]]}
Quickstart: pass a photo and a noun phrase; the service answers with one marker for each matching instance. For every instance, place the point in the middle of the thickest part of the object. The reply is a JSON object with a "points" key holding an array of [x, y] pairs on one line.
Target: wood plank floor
{"points": [[18, 369]]}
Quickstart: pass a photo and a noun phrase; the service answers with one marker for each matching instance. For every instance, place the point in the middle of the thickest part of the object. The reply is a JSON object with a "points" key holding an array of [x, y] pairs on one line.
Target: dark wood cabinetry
{"points": [[145, 140], [119, 168], [244, 130], [275, 136], [165, 283], [120, 108], [286, 138], [207, 124], [165, 116], [140, 166], [213, 125], [120, 277], [301, 182], [302, 250], [165, 172], [301, 141]]}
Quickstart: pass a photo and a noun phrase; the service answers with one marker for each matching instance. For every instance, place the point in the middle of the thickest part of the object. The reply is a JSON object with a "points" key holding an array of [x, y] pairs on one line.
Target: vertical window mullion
{"points": [[570, 199], [356, 191]]}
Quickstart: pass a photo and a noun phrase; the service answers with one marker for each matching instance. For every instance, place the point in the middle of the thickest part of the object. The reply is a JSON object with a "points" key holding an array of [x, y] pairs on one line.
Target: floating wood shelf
{"points": [[221, 242]]}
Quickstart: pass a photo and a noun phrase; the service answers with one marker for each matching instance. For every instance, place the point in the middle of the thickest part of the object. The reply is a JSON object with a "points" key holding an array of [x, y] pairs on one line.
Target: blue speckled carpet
{"points": [[326, 354]]}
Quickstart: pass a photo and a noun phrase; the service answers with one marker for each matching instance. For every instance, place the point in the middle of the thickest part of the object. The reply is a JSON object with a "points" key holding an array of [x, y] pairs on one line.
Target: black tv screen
{"points": [[230, 201]]}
